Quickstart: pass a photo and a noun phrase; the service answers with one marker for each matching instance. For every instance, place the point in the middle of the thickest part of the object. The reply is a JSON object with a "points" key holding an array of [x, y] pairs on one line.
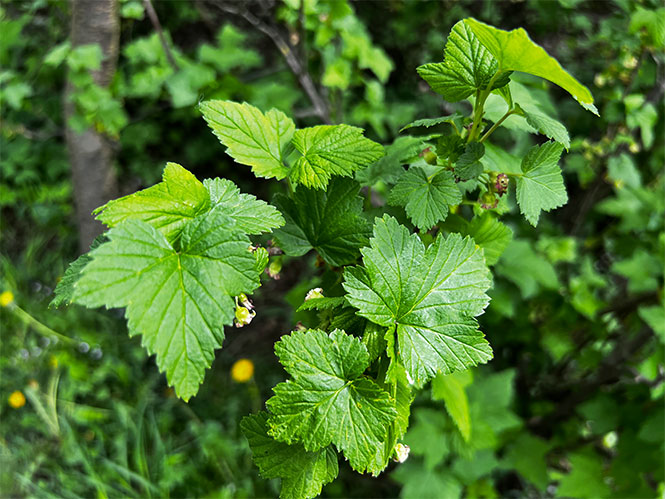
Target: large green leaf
{"points": [[466, 68], [329, 400], [329, 221], [303, 473], [429, 294], [329, 150], [251, 215], [540, 187], [515, 51], [178, 301], [425, 192], [251, 137], [167, 206]]}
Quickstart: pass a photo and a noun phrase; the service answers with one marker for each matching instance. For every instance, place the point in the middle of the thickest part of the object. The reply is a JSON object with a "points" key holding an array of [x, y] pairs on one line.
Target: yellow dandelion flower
{"points": [[17, 400], [6, 298], [242, 370]]}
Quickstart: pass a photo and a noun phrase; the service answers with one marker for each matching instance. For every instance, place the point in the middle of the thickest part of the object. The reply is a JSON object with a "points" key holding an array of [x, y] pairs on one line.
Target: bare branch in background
{"points": [[160, 33], [286, 48]]}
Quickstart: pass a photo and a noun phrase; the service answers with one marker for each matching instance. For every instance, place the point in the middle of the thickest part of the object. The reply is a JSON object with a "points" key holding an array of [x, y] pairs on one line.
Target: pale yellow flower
{"points": [[6, 298], [17, 399], [242, 370]]}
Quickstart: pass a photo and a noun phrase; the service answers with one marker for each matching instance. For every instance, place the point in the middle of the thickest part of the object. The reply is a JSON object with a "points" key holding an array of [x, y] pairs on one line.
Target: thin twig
{"points": [[287, 50], [160, 33]]}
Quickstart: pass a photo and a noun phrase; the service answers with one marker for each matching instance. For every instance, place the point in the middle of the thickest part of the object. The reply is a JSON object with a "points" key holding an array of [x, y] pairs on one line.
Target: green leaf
{"points": [[467, 66], [167, 206], [329, 221], [251, 137], [527, 456], [324, 303], [429, 436], [515, 51], [654, 316], [251, 215], [550, 127], [329, 400], [451, 391], [540, 188], [329, 150], [64, 291], [389, 167], [178, 301], [491, 235], [586, 479], [431, 295], [468, 165], [421, 482], [534, 112], [526, 268], [425, 192], [303, 473], [453, 119]]}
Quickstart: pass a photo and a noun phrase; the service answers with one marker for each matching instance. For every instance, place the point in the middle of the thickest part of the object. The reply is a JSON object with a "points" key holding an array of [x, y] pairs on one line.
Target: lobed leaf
{"points": [[425, 192], [251, 137], [303, 473], [429, 294], [329, 221], [178, 301], [540, 188], [467, 66], [328, 400], [329, 150], [515, 51], [167, 206], [251, 215]]}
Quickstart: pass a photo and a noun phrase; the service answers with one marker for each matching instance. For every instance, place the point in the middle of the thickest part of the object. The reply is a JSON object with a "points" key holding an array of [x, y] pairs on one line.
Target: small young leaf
{"points": [[450, 390], [252, 138], [425, 192], [251, 215], [466, 68], [468, 165], [389, 167], [453, 119], [515, 51], [324, 303], [329, 150], [178, 301], [549, 127], [303, 473], [431, 295], [490, 234], [329, 221], [540, 188], [167, 206], [329, 400]]}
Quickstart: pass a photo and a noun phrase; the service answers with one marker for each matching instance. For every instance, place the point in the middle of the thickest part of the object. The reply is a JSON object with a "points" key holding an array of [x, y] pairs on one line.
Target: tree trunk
{"points": [[91, 153]]}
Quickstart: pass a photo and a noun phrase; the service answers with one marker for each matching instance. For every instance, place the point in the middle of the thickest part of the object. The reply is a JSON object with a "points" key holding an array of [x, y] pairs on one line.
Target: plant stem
{"points": [[39, 327], [496, 125], [478, 110]]}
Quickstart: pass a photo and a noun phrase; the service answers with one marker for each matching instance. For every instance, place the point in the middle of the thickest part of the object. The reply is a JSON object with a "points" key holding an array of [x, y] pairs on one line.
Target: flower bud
{"points": [[275, 268], [401, 453], [243, 316], [314, 293]]}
